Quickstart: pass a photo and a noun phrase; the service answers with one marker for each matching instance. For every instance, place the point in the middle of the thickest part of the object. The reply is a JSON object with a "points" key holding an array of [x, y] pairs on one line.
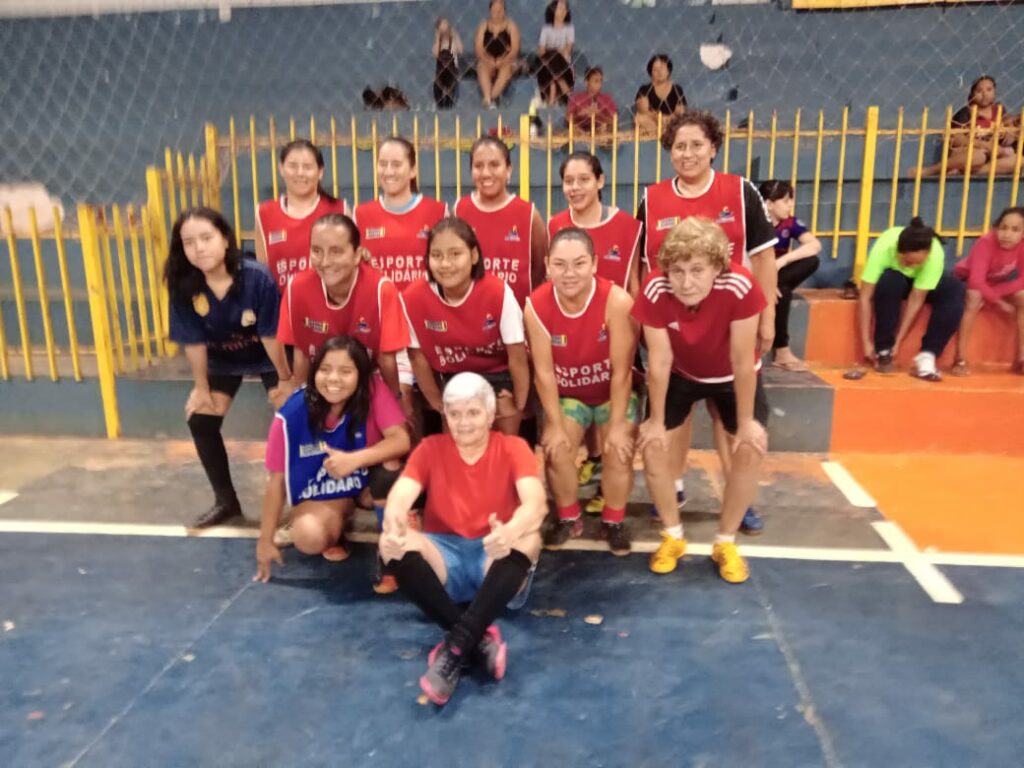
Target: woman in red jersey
{"points": [[282, 226], [463, 318], [511, 232], [615, 234], [582, 340]]}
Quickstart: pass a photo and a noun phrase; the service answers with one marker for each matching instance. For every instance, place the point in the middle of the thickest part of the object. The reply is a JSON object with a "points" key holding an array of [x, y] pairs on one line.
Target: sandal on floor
{"points": [[960, 368], [796, 366]]}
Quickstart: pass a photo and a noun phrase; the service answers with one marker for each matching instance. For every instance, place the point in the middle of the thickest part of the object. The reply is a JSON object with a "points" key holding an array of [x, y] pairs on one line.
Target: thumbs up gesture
{"points": [[497, 544], [392, 540]]}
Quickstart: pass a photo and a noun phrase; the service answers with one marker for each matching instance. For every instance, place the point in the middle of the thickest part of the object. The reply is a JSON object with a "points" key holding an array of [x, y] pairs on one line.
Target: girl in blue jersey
{"points": [[340, 434]]}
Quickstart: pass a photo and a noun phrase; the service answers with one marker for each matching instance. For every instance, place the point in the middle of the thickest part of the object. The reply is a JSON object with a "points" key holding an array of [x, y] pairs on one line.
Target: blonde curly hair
{"points": [[695, 236]]}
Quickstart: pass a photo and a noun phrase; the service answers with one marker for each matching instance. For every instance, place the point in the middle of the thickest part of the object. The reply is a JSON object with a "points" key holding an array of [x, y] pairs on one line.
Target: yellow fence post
{"points": [[212, 167], [867, 184], [126, 287], [140, 291], [44, 294], [158, 224], [355, 166], [65, 284], [19, 294], [100, 319], [524, 157]]}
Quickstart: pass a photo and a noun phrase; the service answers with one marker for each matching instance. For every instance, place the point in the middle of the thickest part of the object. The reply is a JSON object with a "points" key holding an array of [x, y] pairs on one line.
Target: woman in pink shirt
{"points": [[994, 272]]}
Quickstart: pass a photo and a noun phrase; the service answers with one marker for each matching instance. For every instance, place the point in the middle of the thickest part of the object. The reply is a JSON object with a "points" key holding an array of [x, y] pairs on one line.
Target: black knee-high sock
{"points": [[501, 584], [213, 455], [420, 584]]}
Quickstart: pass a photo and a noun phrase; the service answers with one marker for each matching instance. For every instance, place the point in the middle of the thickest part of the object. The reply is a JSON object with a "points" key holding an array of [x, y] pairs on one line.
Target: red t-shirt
{"points": [[700, 337], [460, 496], [505, 241], [372, 313], [993, 271], [615, 240], [579, 343], [397, 241], [287, 238], [469, 336]]}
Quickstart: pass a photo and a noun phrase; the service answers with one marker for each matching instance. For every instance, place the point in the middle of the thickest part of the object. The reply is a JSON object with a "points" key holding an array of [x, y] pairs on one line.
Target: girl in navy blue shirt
{"points": [[223, 311]]}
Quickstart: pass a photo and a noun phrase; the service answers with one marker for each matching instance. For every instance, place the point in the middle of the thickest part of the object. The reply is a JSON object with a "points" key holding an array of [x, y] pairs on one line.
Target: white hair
{"points": [[469, 386]]}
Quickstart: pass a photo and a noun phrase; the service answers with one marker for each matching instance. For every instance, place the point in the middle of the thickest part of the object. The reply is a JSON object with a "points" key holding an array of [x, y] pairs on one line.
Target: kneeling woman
{"points": [[462, 318], [223, 311], [341, 433], [481, 533]]}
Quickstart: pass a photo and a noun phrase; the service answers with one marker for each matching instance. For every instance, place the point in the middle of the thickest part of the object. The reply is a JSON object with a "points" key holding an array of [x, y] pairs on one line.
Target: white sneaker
{"points": [[283, 536], [924, 367]]}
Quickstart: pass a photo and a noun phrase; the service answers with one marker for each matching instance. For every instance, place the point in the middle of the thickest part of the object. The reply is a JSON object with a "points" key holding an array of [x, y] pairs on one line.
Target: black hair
{"points": [[1016, 209], [309, 146], [493, 141], [976, 83], [574, 234], [392, 95], [585, 157], [775, 190], [339, 220], [916, 236], [707, 122], [357, 407], [184, 281], [466, 234], [410, 154], [658, 57], [549, 12], [593, 71]]}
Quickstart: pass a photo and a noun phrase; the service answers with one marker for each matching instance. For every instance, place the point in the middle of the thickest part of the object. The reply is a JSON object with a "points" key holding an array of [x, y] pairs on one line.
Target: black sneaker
{"points": [[617, 537], [884, 362], [219, 513], [442, 676], [562, 532]]}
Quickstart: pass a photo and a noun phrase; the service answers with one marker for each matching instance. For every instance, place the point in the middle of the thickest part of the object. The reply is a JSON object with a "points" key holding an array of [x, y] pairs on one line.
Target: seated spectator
{"points": [[497, 53], [660, 95], [447, 50], [794, 263], [908, 263], [393, 99], [983, 96], [592, 107], [994, 272], [555, 78]]}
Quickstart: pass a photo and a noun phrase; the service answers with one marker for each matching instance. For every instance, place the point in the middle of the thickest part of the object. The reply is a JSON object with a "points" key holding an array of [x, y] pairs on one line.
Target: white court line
{"points": [[971, 559], [6, 496], [932, 580], [851, 489]]}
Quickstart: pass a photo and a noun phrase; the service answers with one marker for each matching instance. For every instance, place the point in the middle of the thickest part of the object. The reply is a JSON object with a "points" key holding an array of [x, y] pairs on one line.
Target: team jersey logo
{"points": [[273, 238], [374, 233], [316, 326], [424, 233], [784, 234], [489, 322], [513, 235], [201, 304], [726, 216], [667, 223], [559, 340], [602, 335], [614, 254], [441, 326], [248, 318], [312, 449], [362, 326]]}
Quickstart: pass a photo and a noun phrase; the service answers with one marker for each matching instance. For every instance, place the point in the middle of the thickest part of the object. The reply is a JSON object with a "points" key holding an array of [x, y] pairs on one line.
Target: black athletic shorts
{"points": [[684, 393], [229, 384]]}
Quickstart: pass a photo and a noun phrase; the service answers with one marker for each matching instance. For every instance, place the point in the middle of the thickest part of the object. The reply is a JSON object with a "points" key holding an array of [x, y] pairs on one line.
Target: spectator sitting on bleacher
{"points": [[994, 273], [592, 106], [497, 53], [447, 50], [555, 78], [660, 95], [983, 96]]}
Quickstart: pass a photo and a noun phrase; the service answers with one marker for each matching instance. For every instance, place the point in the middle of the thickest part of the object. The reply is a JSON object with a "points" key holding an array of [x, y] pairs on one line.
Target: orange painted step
{"points": [[950, 503], [897, 413], [833, 337]]}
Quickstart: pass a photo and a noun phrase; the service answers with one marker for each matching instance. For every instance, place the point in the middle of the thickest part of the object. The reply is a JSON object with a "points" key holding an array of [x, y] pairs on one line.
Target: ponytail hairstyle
{"points": [[410, 155], [309, 146], [357, 407], [916, 236]]}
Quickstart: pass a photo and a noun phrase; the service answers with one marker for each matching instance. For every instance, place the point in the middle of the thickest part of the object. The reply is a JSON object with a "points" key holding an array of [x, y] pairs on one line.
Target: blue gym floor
{"points": [[148, 651]]}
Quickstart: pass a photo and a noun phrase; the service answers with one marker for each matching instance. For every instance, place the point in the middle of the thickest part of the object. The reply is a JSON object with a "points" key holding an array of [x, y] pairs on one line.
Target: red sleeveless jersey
{"points": [[372, 313], [579, 343], [287, 238], [722, 202], [461, 337], [505, 240], [615, 241], [398, 241]]}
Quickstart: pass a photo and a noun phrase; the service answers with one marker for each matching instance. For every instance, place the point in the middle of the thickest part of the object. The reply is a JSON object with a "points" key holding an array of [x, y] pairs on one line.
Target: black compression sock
{"points": [[502, 582], [420, 584], [213, 455]]}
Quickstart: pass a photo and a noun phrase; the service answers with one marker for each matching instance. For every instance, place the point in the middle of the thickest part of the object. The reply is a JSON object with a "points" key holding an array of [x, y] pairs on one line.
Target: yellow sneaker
{"points": [[731, 565], [595, 506], [667, 557], [587, 471]]}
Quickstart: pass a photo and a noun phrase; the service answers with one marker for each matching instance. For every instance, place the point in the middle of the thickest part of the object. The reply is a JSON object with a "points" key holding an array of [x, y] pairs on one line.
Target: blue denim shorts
{"points": [[465, 560]]}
